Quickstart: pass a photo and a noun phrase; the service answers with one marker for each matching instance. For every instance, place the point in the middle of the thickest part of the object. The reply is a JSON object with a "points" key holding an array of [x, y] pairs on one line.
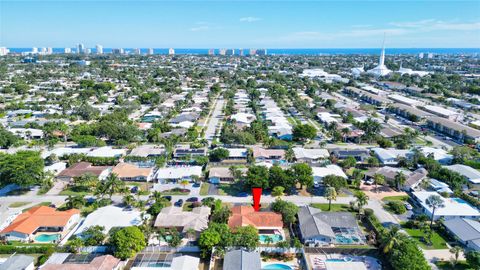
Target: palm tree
{"points": [[184, 183], [362, 200], [128, 200], [391, 239], [268, 240], [112, 184], [400, 180], [379, 180], [434, 202], [330, 194], [456, 250], [75, 202], [345, 132]]}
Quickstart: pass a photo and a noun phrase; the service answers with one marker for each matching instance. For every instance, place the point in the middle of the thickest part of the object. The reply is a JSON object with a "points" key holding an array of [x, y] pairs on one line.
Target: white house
{"points": [[452, 207]]}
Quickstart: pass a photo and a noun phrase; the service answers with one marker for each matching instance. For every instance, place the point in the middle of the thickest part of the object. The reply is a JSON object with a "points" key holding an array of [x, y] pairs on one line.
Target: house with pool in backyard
{"points": [[41, 224]]}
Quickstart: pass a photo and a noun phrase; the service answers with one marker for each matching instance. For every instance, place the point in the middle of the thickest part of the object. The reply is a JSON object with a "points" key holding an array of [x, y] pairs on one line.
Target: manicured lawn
{"points": [[437, 241], [228, 189], [204, 189], [71, 191], [335, 207], [176, 191], [461, 265], [18, 204], [402, 198], [188, 206]]}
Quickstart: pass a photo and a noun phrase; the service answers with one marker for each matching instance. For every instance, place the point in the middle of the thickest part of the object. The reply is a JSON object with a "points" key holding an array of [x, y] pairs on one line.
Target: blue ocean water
{"points": [[332, 51]]}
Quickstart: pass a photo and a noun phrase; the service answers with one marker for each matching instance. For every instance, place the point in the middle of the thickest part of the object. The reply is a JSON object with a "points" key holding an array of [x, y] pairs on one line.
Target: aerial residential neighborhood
{"points": [[353, 148]]}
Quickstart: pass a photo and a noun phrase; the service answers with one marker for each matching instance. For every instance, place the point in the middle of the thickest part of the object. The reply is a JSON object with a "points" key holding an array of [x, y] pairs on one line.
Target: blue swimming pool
{"points": [[47, 238], [275, 238], [277, 266]]}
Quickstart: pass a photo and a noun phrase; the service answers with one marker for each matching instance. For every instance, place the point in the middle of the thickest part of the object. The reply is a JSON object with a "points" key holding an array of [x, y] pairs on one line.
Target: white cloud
{"points": [[435, 25], [250, 19], [200, 28]]}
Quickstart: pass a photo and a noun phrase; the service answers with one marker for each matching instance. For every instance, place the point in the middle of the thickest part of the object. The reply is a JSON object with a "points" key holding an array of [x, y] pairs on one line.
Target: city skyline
{"points": [[230, 24]]}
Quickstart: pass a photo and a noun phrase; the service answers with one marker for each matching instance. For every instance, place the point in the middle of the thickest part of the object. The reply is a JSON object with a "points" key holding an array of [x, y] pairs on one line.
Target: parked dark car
{"points": [[134, 189], [196, 185], [179, 203], [242, 194], [192, 199], [169, 198]]}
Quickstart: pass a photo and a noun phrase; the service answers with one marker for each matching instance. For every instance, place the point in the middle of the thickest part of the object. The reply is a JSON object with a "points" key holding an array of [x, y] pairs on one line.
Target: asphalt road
{"points": [[214, 121]]}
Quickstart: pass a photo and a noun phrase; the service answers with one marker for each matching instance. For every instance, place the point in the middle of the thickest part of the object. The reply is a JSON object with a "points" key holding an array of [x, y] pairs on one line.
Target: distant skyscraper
{"points": [[99, 49], [67, 50], [87, 50], [43, 50], [137, 51], [222, 51], [150, 51], [262, 52], [253, 52], [420, 55], [211, 52], [3, 51], [230, 52], [171, 51], [34, 50], [240, 52], [117, 51], [49, 50], [430, 55], [80, 48]]}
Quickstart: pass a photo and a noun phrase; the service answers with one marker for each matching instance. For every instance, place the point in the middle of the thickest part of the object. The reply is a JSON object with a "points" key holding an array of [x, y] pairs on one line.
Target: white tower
{"points": [[381, 69], [99, 49]]}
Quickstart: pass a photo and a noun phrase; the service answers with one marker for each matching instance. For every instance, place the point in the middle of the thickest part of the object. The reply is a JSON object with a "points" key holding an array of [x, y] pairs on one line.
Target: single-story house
{"points": [[18, 262], [453, 207], [471, 174], [465, 230], [174, 217], [107, 152], [240, 259], [130, 172], [174, 174], [245, 215], [413, 179], [360, 155], [109, 217], [438, 154], [273, 155], [310, 155], [147, 151], [55, 168], [390, 156], [320, 172], [221, 174], [325, 228], [40, 219], [27, 133], [67, 261], [439, 186], [182, 152], [169, 261], [82, 168]]}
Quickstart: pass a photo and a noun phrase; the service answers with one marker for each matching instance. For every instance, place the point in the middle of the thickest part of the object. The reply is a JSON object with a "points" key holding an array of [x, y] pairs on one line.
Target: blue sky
{"points": [[240, 24]]}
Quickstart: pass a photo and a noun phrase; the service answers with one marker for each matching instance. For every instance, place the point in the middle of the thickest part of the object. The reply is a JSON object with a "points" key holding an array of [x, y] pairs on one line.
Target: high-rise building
{"points": [[253, 52], [118, 51], [99, 49], [222, 51], [230, 52], [430, 55], [171, 51], [49, 50], [420, 55], [34, 50], [150, 51], [3, 51], [211, 52], [43, 50], [80, 48], [240, 52], [261, 52], [67, 50], [87, 51]]}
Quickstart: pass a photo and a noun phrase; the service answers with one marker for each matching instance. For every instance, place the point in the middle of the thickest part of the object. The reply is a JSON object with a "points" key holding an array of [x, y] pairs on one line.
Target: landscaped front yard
{"points": [[418, 235], [335, 207]]}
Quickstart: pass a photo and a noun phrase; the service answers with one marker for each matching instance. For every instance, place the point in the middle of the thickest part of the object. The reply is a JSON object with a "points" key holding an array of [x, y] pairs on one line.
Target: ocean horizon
{"points": [[289, 51]]}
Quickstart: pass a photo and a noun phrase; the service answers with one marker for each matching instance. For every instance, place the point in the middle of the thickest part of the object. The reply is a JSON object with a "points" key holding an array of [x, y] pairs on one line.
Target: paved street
{"points": [[214, 121]]}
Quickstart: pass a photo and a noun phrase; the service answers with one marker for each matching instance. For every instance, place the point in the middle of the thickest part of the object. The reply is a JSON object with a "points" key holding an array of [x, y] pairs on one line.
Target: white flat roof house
{"points": [[310, 155], [472, 175], [167, 174], [320, 172], [453, 207], [107, 151], [438, 154], [390, 156]]}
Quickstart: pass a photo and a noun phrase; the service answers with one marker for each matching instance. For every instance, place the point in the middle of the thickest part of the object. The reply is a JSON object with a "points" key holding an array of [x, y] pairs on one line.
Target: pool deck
{"points": [[321, 262], [292, 264]]}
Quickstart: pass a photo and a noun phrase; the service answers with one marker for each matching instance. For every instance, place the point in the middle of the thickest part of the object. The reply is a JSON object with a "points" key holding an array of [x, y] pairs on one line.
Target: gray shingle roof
{"points": [[17, 262], [464, 228], [314, 222], [242, 260]]}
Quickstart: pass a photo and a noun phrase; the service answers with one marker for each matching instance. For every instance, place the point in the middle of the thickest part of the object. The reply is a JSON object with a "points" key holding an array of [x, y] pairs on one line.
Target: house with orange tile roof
{"points": [[40, 220], [266, 222], [130, 172], [270, 155]]}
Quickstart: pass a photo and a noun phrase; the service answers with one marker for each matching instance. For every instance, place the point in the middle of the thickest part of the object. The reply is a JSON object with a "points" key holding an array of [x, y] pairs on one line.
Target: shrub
{"points": [[397, 207]]}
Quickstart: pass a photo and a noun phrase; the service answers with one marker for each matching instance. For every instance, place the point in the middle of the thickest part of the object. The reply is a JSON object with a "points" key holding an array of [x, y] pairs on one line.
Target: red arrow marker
{"points": [[257, 194]]}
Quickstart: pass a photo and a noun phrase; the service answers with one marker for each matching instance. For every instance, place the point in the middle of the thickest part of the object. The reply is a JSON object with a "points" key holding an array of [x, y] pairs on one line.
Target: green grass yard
{"points": [[18, 204], [402, 198], [335, 207], [204, 188], [437, 241]]}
